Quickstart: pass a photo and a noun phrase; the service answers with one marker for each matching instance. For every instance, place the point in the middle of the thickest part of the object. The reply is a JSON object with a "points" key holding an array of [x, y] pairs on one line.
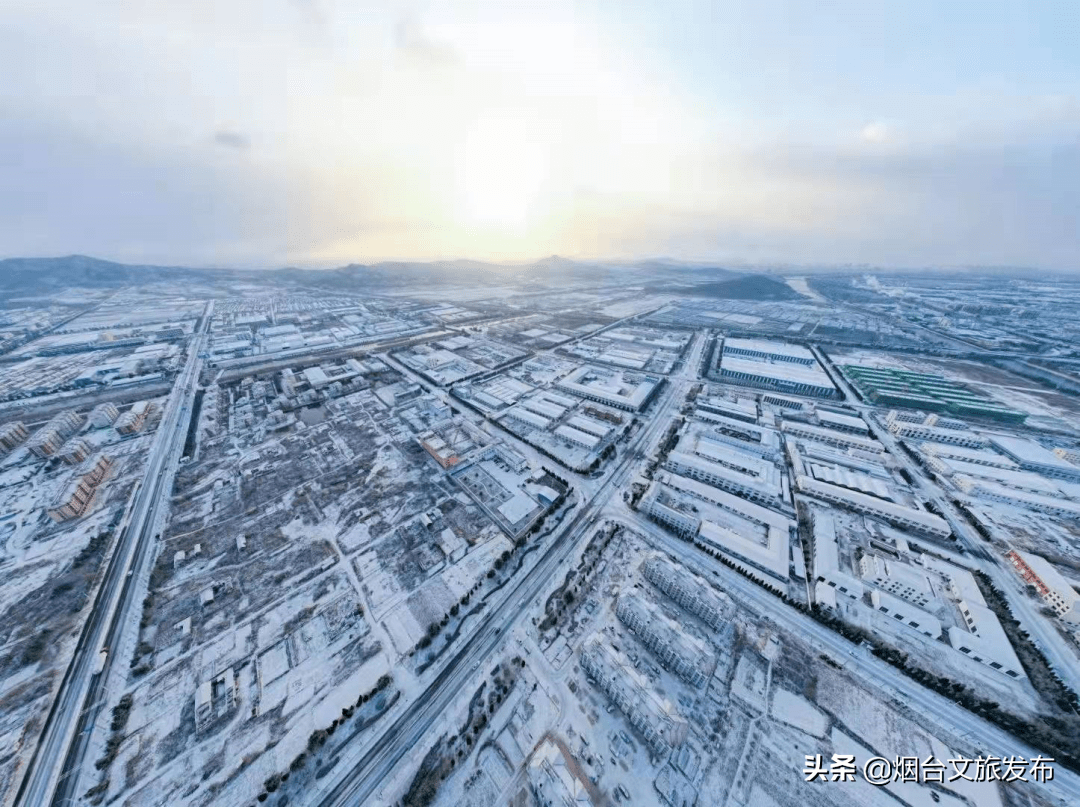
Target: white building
{"points": [[765, 544], [896, 578], [830, 437], [935, 434], [906, 613], [845, 423], [685, 524], [896, 513], [578, 437], [1031, 456], [770, 351], [992, 491], [724, 477], [527, 418], [744, 409], [986, 642], [622, 390], [782, 376], [827, 561]]}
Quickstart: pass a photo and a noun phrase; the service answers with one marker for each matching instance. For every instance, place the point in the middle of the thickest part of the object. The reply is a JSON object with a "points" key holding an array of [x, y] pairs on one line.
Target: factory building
{"points": [[827, 559], [986, 643], [720, 476], [764, 543], [975, 456], [896, 578], [720, 429], [589, 426], [931, 419], [842, 422], [684, 524], [994, 492], [929, 393], [786, 377], [677, 650], [745, 432], [907, 517], [653, 716], [934, 434], [527, 418], [688, 590], [1049, 582], [770, 351], [508, 456], [830, 437], [578, 437], [906, 613], [630, 392], [1031, 456]]}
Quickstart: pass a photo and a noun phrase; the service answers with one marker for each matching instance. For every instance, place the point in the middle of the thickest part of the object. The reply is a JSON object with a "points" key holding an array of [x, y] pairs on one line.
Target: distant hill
{"points": [[41, 275], [748, 287], [44, 275], [47, 275]]}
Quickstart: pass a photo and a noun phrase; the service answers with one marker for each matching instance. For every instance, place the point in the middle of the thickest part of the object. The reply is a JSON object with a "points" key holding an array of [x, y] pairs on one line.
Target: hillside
{"points": [[749, 287]]}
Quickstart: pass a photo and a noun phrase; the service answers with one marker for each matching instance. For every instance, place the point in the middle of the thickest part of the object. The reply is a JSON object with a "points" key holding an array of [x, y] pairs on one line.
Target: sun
{"points": [[502, 175]]}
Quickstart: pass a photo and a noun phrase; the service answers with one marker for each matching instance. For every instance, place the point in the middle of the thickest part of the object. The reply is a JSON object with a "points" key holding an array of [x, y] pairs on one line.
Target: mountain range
{"points": [[44, 275]]}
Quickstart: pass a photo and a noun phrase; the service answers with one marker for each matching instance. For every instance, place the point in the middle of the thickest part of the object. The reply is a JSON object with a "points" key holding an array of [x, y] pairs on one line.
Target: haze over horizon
{"points": [[306, 132]]}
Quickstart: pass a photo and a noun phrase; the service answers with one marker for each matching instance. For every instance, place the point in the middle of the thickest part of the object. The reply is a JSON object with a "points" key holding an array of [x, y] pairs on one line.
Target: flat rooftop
{"points": [[812, 375], [768, 346]]}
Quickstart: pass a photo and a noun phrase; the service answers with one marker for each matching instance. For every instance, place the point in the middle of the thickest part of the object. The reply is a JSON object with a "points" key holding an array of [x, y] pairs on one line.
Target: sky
{"points": [[321, 132]]}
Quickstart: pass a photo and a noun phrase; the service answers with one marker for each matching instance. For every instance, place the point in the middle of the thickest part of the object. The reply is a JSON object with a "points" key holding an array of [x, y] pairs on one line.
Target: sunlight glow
{"points": [[501, 175]]}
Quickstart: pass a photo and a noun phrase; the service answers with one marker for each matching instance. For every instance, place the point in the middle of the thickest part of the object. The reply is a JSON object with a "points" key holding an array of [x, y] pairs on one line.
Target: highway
{"points": [[357, 785], [944, 718], [52, 773]]}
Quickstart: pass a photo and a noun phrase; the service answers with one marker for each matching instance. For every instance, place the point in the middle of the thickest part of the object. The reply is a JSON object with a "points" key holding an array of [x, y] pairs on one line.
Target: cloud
{"points": [[471, 130], [875, 132], [413, 40], [232, 140]]}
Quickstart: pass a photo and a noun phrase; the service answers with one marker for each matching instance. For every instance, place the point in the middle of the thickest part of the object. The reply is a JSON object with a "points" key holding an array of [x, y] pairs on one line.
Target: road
{"points": [[357, 785], [1061, 658], [52, 774], [361, 783], [943, 717]]}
